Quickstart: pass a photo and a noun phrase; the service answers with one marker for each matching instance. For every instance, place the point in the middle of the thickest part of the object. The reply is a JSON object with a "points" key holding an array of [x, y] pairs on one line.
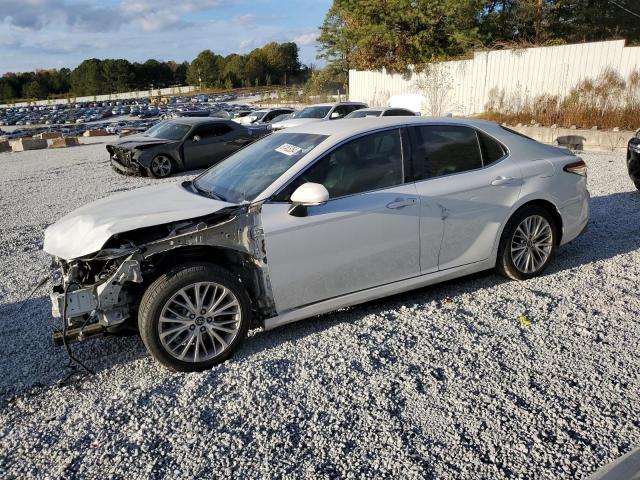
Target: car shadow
{"points": [[29, 359]]}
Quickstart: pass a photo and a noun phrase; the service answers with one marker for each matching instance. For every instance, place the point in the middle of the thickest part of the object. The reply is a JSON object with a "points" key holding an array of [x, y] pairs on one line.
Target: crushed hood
{"points": [[87, 229]]}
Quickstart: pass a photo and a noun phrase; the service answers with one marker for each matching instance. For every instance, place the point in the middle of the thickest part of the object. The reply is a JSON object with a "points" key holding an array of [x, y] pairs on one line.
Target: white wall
{"points": [[527, 73], [113, 96]]}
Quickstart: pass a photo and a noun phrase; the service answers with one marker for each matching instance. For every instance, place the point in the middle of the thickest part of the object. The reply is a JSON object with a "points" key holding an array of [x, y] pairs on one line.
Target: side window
{"points": [[397, 112], [213, 130], [367, 163], [444, 149], [271, 115], [492, 151], [341, 110]]}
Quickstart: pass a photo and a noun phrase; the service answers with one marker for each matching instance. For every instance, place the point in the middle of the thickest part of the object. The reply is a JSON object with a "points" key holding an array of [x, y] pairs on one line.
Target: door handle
{"points": [[502, 181], [401, 203]]}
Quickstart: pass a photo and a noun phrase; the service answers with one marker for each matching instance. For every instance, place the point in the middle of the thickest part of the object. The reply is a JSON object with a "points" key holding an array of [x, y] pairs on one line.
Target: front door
{"points": [[208, 144], [366, 235]]}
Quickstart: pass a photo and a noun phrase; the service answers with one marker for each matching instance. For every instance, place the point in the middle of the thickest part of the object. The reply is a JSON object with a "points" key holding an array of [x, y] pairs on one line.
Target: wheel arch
{"points": [[239, 264], [542, 202]]}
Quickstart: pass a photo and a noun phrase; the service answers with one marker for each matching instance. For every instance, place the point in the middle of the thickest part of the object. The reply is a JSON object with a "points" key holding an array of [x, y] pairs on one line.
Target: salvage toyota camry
{"points": [[309, 220]]}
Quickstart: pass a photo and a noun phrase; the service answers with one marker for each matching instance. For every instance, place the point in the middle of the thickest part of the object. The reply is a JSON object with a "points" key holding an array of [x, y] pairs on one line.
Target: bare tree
{"points": [[435, 83]]}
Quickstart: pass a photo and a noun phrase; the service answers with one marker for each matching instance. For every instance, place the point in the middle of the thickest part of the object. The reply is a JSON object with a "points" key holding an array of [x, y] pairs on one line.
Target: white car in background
{"points": [[263, 116], [319, 112], [309, 220]]}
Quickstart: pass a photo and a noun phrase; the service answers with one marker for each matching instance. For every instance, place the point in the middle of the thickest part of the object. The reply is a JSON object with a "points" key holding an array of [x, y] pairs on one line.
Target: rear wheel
{"points": [[160, 167], [527, 244], [194, 317]]}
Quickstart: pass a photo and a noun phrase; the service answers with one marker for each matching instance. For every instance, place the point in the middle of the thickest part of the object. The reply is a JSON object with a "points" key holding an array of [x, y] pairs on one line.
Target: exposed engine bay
{"points": [[102, 291]]}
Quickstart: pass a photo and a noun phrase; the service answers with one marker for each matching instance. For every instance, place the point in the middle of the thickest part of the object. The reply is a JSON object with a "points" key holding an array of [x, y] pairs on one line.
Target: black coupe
{"points": [[182, 144]]}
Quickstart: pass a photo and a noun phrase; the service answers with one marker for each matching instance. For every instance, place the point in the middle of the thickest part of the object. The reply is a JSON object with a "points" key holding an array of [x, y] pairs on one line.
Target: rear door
{"points": [[463, 177]]}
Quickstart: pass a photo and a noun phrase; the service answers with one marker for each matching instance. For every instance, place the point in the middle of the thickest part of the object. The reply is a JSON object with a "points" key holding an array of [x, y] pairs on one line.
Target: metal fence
{"points": [[464, 87]]}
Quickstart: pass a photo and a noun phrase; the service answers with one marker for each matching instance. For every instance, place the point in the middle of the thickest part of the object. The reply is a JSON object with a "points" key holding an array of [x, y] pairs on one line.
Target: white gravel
{"points": [[443, 382]]}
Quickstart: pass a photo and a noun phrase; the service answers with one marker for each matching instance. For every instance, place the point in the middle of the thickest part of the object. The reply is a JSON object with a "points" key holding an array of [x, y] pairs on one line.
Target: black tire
{"points": [[163, 289], [637, 184], [168, 166], [504, 262]]}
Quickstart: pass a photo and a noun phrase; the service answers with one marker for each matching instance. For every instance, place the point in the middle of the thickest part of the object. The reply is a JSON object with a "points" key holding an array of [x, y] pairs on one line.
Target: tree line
{"points": [[272, 64], [394, 34]]}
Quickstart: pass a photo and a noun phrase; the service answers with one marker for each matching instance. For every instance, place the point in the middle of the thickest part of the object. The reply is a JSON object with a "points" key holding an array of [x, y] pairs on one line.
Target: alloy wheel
{"points": [[161, 166], [531, 244], [199, 322]]}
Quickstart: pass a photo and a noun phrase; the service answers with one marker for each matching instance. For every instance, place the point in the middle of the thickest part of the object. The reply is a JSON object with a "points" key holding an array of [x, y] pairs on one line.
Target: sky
{"points": [[38, 34]]}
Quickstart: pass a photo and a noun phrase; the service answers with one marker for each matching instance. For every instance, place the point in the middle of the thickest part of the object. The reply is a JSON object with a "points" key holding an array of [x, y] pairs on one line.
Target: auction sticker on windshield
{"points": [[288, 149]]}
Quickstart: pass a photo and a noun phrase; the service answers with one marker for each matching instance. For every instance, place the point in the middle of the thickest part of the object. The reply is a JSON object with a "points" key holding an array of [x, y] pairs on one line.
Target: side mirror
{"points": [[307, 195], [196, 138], [335, 115]]}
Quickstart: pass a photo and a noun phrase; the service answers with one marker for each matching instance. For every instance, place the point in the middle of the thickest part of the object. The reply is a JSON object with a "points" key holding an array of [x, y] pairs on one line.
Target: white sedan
{"points": [[308, 220]]}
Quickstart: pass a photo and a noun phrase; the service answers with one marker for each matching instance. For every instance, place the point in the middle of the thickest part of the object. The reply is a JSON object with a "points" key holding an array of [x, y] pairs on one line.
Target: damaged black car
{"points": [[183, 144]]}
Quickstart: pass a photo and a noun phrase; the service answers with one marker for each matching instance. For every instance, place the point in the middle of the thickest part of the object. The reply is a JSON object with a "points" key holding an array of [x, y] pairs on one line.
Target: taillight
{"points": [[579, 168]]}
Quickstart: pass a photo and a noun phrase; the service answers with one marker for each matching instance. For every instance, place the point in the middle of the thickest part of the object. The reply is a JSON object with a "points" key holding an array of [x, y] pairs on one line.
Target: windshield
{"points": [[168, 130], [313, 112], [364, 113], [245, 174], [259, 113]]}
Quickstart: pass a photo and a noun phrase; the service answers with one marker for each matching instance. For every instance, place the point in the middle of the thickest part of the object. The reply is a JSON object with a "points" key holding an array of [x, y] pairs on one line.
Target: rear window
{"points": [[492, 151]]}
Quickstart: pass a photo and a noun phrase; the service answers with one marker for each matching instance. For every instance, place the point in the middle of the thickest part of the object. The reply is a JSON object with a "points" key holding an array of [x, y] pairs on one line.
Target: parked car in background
{"points": [[633, 159], [281, 118], [381, 112], [309, 220], [183, 144], [321, 111], [264, 116]]}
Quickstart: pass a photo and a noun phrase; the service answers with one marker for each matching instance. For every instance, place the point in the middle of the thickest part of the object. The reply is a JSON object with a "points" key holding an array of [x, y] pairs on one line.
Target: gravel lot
{"points": [[442, 382]]}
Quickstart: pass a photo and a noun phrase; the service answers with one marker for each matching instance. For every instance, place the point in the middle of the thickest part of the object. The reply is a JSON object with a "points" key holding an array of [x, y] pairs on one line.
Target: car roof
{"points": [[332, 104], [345, 128], [196, 120]]}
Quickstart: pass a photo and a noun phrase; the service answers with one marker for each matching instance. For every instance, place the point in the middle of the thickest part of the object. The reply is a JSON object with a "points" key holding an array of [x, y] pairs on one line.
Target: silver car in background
{"points": [[310, 220]]}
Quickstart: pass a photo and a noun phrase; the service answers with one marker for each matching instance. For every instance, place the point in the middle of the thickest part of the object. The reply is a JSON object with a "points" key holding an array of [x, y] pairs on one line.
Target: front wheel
{"points": [[160, 167], [527, 244], [194, 317]]}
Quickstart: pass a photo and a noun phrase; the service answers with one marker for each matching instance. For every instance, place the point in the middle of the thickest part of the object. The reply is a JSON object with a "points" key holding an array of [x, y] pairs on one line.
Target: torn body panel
{"points": [[106, 288]]}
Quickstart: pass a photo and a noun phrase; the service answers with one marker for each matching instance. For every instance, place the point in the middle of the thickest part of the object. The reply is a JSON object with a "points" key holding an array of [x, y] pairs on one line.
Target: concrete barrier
{"points": [[47, 135], [25, 144], [578, 139], [63, 142], [95, 133]]}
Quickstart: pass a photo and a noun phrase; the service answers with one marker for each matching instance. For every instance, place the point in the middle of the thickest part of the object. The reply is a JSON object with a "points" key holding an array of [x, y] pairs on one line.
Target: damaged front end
{"points": [[124, 160], [101, 292]]}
